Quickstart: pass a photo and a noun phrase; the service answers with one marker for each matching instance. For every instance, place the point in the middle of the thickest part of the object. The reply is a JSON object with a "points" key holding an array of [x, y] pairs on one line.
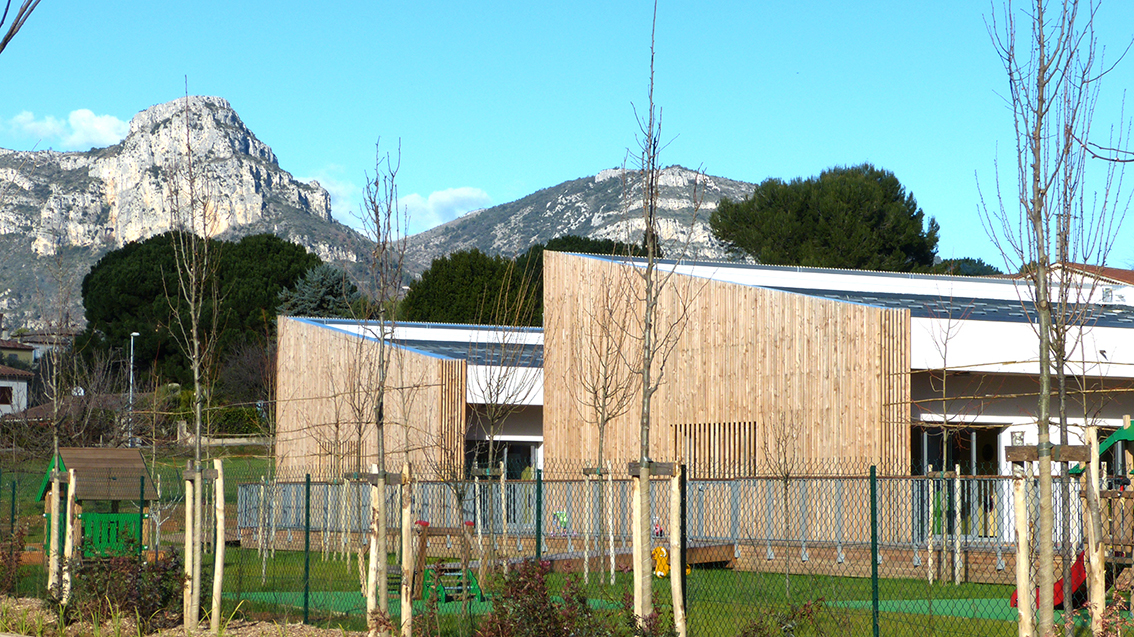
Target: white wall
{"points": [[19, 396]]}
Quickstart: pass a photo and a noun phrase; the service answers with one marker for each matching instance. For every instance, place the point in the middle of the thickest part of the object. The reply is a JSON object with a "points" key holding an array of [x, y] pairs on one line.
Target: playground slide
{"points": [[1078, 586]]}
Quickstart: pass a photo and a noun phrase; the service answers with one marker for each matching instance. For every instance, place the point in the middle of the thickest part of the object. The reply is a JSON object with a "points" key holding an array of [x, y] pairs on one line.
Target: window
{"points": [[5, 395]]}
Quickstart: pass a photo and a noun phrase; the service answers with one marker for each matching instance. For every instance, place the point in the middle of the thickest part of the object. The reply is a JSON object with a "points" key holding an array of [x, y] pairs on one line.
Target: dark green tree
{"points": [[128, 290], [456, 288], [848, 217], [464, 286], [966, 266], [324, 290]]}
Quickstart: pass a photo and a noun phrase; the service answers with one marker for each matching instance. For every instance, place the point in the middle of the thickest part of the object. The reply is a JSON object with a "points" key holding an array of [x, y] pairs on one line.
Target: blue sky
{"points": [[493, 101]]}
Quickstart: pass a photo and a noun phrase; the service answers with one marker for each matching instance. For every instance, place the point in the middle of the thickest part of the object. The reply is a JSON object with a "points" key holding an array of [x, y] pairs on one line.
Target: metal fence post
{"points": [[539, 514], [12, 519], [306, 547], [874, 547]]}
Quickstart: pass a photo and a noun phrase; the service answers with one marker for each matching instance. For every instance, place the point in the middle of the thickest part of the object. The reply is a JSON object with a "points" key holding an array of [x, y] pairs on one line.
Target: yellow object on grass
{"points": [[661, 561]]}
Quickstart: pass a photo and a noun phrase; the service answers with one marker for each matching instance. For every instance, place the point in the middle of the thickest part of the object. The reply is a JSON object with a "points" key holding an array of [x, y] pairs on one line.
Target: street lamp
{"points": [[130, 439]]}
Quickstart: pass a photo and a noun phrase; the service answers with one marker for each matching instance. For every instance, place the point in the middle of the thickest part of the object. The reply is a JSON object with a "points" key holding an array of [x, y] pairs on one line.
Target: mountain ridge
{"points": [[599, 206], [84, 204]]}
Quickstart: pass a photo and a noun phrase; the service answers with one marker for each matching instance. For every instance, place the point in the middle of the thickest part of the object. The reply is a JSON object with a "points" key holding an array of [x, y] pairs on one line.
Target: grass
{"points": [[721, 602]]}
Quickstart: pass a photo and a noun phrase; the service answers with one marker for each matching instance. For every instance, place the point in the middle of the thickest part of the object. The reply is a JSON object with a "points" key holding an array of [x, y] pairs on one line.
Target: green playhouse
{"points": [[104, 479]]}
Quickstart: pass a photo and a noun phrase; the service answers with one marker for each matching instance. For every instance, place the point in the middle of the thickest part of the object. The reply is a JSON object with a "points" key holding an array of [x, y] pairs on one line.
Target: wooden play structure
{"points": [[1110, 536], [104, 479], [445, 580]]}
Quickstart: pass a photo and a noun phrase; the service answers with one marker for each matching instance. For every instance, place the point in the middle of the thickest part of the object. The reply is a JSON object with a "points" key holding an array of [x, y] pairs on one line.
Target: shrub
{"points": [[794, 620], [128, 585], [524, 607], [11, 551]]}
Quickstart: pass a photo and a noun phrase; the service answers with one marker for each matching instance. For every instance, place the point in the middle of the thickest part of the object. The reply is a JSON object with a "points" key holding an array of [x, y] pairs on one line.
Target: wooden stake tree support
{"points": [[1023, 553], [407, 552], [377, 583], [188, 609], [643, 541], [677, 555], [1097, 582], [69, 540], [1018, 455], [53, 538], [218, 560], [191, 594]]}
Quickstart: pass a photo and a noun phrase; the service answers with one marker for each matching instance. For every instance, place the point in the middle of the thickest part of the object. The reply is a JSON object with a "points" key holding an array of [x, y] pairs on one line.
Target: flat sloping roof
{"points": [[475, 344], [105, 473], [971, 308], [998, 299]]}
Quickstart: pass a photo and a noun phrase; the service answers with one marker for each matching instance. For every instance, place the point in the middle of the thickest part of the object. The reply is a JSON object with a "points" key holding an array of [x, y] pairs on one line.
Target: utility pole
{"points": [[130, 432]]}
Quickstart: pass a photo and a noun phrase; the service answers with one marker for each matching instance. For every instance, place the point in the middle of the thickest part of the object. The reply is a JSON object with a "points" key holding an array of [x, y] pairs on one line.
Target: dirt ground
{"points": [[26, 616]]}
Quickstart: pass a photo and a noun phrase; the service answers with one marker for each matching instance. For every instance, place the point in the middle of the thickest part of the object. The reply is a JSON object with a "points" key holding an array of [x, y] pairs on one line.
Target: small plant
{"points": [[524, 608], [797, 619], [430, 621], [11, 551], [128, 585], [652, 625]]}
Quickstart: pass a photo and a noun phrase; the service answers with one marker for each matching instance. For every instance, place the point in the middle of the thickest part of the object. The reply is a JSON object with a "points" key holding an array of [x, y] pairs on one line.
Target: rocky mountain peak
{"points": [[211, 120], [83, 204]]}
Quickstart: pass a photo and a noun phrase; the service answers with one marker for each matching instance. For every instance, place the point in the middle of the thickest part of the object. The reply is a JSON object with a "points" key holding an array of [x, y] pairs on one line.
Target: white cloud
{"points": [[83, 129], [94, 131], [442, 206], [423, 212], [48, 127]]}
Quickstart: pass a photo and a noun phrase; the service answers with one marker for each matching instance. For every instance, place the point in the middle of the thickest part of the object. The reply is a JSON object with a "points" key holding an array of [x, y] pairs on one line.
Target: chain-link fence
{"points": [[836, 553]]}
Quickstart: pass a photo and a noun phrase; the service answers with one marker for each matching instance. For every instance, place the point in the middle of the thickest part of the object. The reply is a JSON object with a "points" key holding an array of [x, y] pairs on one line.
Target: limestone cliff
{"points": [[604, 206], [61, 211]]}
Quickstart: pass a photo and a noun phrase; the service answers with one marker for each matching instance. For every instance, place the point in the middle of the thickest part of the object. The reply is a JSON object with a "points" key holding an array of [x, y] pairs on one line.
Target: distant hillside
{"points": [[592, 206], [62, 211]]}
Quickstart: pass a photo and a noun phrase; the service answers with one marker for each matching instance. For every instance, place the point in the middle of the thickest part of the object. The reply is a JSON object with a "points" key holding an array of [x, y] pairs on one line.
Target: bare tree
{"points": [[385, 223], [504, 356], [18, 20], [502, 374], [602, 384], [56, 391], [194, 305], [781, 453], [1053, 80], [655, 341]]}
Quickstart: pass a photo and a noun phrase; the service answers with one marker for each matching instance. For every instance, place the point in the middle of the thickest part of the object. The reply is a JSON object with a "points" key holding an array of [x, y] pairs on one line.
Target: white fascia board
{"points": [[470, 334], [858, 281], [864, 281], [487, 384], [1012, 348], [408, 333]]}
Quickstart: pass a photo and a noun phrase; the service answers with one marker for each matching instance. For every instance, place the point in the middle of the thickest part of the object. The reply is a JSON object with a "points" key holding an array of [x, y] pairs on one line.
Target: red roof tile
{"points": [[12, 372]]}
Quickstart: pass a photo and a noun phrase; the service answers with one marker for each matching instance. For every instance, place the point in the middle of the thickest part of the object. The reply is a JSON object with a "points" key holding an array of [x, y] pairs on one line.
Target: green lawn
{"points": [[721, 601]]}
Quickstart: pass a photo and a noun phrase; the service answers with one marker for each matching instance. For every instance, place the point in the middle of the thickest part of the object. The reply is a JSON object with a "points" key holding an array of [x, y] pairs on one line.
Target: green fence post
{"points": [[142, 514], [874, 546], [683, 561], [539, 514], [306, 547], [12, 531]]}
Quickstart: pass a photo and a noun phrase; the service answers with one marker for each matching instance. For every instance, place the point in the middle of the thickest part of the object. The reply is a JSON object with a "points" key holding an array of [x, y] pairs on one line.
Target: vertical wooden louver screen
{"points": [[719, 450]]}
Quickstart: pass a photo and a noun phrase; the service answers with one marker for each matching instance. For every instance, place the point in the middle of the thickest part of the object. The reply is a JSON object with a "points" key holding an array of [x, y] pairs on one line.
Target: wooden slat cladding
{"points": [[718, 450], [325, 393], [826, 380]]}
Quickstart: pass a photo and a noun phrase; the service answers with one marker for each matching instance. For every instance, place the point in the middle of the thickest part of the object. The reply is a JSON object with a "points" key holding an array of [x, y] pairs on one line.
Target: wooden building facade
{"points": [[327, 400], [753, 378]]}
